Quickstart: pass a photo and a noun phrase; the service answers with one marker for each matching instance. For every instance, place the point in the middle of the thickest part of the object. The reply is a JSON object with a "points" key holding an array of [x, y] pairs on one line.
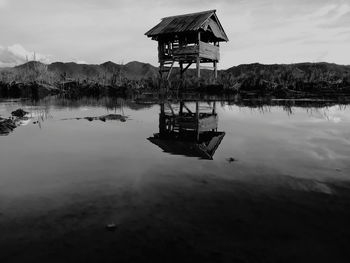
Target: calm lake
{"points": [[77, 173]]}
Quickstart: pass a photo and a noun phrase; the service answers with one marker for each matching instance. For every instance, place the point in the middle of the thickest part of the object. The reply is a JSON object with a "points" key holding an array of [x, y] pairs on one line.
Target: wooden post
{"points": [[181, 70], [162, 121], [215, 71], [181, 108], [159, 50], [161, 69], [198, 58], [197, 121], [160, 57], [214, 113], [198, 68]]}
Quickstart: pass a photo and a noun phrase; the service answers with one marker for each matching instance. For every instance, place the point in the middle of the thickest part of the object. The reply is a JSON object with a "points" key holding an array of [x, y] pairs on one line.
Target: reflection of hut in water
{"points": [[183, 132]]}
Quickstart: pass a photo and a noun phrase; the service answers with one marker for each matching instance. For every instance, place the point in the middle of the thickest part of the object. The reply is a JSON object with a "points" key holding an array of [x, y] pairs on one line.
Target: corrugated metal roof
{"points": [[185, 23]]}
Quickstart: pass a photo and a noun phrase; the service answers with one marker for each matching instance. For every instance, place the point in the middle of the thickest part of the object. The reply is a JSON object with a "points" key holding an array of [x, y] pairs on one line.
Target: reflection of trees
{"points": [[145, 101], [324, 112], [41, 114], [288, 105], [64, 102]]}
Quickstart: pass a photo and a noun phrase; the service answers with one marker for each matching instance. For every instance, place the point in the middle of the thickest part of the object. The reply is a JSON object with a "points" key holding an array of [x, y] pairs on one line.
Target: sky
{"points": [[96, 31]]}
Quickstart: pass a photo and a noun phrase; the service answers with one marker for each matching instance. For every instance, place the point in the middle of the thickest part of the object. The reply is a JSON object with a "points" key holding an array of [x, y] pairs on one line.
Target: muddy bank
{"points": [[208, 220]]}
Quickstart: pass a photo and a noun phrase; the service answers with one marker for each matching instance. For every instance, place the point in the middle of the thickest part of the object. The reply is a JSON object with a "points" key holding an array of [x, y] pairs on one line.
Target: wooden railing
{"points": [[204, 50], [209, 51], [186, 51]]}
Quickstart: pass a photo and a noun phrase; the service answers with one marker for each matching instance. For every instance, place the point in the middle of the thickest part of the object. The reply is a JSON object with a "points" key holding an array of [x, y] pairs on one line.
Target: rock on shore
{"points": [[7, 125]]}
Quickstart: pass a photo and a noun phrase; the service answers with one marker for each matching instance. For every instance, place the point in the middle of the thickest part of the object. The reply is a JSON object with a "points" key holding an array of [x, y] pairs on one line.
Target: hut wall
{"points": [[172, 51]]}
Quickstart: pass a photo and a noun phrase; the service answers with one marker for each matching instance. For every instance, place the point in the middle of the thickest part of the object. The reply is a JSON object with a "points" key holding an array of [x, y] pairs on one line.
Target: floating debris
{"points": [[231, 160]]}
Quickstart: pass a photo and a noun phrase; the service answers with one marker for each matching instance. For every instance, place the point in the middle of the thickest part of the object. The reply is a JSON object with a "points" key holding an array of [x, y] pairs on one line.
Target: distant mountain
{"points": [[75, 70], [28, 65], [111, 66], [133, 70], [298, 68], [138, 70]]}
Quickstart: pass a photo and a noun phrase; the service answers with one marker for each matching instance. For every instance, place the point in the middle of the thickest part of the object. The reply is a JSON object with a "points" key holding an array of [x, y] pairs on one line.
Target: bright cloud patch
{"points": [[3, 3], [16, 55]]}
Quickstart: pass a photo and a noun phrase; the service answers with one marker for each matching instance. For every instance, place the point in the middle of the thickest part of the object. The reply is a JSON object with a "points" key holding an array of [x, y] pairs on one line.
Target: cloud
{"points": [[3, 3], [336, 16], [16, 54], [267, 31]]}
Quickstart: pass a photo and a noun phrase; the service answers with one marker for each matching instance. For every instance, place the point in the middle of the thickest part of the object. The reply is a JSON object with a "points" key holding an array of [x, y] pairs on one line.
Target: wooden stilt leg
{"points": [[198, 67], [215, 71], [162, 120], [197, 121], [161, 70], [181, 70]]}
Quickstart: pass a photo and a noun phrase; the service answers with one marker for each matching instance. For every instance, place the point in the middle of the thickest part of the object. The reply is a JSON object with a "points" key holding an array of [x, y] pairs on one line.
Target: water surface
{"points": [[61, 176]]}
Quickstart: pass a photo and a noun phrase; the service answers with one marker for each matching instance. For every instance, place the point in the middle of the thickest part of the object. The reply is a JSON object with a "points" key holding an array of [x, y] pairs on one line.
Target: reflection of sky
{"points": [[305, 143]]}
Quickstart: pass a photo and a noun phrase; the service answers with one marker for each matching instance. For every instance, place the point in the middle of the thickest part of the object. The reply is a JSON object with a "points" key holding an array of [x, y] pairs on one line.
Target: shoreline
{"points": [[40, 90]]}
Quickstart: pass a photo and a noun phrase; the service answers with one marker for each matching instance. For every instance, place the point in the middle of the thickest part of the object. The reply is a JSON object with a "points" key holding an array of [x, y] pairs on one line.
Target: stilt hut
{"points": [[188, 39]]}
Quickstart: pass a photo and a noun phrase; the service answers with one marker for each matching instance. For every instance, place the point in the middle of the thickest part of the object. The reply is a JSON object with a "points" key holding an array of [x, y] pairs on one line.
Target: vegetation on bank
{"points": [[295, 80], [37, 79], [308, 78]]}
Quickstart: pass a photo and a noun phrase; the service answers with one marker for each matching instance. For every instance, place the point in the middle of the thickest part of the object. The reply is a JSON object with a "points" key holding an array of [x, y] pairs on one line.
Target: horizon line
{"points": [[96, 64]]}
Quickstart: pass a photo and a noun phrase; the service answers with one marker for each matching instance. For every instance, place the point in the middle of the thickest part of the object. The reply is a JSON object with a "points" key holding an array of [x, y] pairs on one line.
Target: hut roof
{"points": [[206, 20]]}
